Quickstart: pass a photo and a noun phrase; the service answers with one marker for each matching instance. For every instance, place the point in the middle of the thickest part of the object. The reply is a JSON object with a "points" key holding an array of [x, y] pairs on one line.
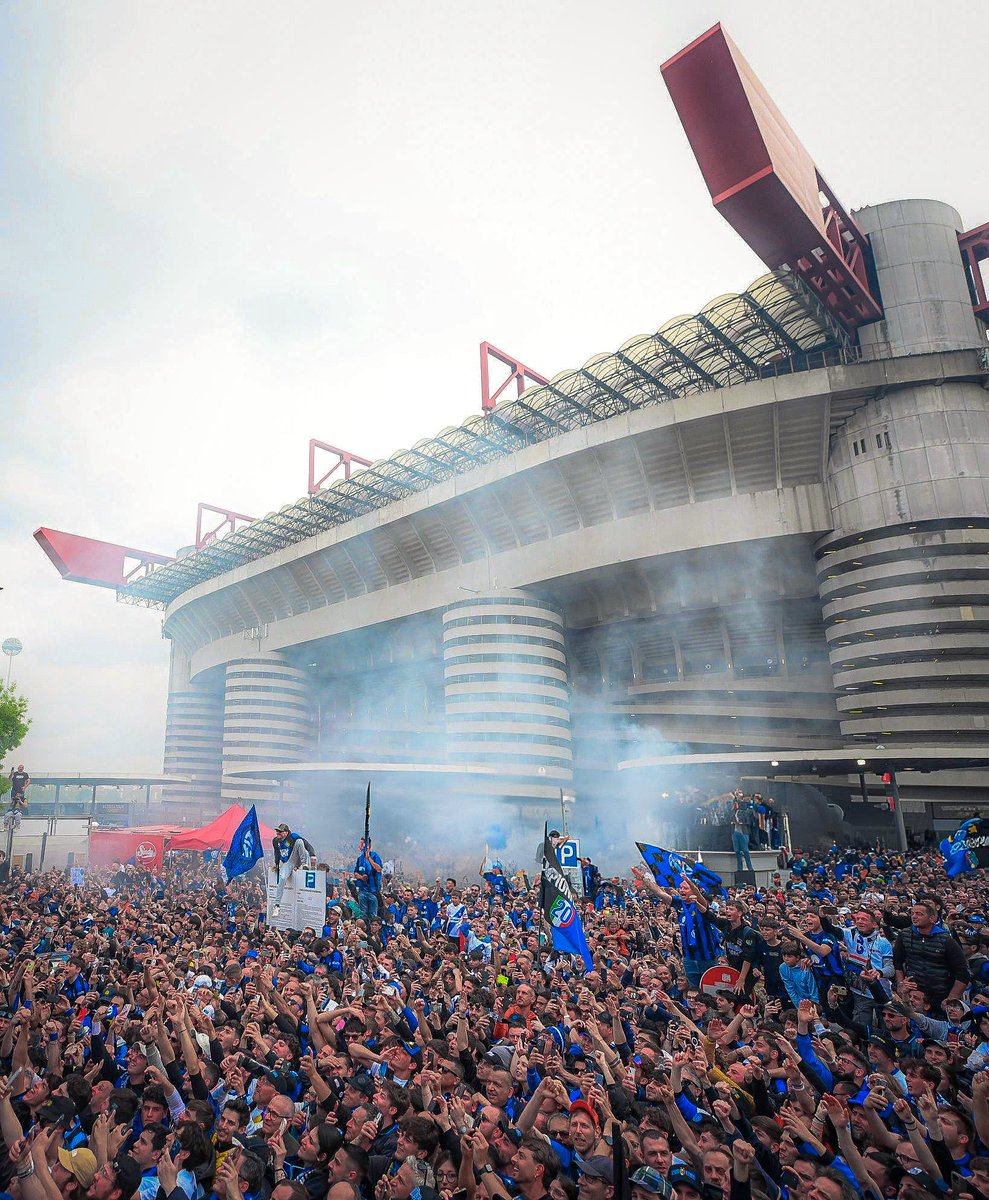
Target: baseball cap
{"points": [[499, 1056], [651, 1180], [584, 1107], [362, 1083], [283, 828], [682, 1176], [598, 1166], [128, 1173], [58, 1109], [81, 1163]]}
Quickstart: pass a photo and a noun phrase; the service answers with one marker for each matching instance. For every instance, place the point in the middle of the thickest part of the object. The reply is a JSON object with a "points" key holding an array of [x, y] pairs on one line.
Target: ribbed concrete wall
{"points": [[907, 617], [507, 691], [267, 718], [903, 578], [193, 737]]}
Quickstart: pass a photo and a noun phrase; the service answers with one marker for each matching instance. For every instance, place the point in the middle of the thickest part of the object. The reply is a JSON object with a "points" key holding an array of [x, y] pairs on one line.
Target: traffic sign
{"points": [[719, 979], [568, 853]]}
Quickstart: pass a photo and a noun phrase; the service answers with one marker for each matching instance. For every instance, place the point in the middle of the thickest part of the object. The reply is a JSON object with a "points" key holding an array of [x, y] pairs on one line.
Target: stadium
{"points": [[750, 544]]}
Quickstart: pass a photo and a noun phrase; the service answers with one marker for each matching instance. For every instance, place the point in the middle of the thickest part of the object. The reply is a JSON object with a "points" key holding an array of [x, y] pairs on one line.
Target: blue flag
{"points": [[968, 848], [245, 847], [669, 869], [560, 908]]}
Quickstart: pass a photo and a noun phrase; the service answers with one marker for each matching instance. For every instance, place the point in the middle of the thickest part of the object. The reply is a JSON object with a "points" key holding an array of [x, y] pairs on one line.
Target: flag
{"points": [[367, 817], [967, 849], [559, 906], [245, 847], [669, 869]]}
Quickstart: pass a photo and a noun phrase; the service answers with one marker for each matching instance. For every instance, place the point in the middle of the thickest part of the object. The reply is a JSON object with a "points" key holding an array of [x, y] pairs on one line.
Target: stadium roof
{"points": [[776, 327]]}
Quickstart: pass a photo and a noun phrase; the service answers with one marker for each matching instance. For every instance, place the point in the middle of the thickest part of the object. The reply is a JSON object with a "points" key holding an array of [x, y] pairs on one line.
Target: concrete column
{"points": [[921, 279], [902, 576], [268, 717], [507, 693], [193, 737]]}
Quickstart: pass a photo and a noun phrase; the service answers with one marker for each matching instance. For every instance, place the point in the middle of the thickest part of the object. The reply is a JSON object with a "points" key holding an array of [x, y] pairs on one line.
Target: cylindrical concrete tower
{"points": [[903, 577], [922, 280], [507, 692], [193, 737], [267, 718]]}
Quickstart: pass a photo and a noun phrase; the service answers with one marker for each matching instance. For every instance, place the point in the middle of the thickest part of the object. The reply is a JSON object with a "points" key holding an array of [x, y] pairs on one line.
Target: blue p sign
{"points": [[569, 854]]}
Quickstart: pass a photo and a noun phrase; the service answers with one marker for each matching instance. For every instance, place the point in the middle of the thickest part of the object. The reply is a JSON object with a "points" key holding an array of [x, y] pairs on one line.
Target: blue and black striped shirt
{"points": [[699, 936]]}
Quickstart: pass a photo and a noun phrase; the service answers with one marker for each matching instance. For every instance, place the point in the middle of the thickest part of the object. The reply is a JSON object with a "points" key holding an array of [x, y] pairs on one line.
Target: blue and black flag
{"points": [[245, 847], [560, 907], [967, 849], [669, 869]]}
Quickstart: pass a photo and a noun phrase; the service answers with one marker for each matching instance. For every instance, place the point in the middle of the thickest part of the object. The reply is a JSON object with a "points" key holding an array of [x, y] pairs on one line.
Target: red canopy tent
{"points": [[217, 834]]}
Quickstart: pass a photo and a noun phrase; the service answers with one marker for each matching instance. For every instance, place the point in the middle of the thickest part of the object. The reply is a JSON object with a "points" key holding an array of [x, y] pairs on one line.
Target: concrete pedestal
{"points": [[723, 862]]}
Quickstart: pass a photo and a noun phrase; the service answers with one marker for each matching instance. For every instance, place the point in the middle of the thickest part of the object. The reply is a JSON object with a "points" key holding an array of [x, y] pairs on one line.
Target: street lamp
{"points": [[11, 647]]}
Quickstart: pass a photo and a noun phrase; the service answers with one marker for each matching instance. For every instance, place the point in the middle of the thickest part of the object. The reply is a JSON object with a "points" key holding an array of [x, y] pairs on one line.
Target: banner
{"points": [[126, 845], [303, 901]]}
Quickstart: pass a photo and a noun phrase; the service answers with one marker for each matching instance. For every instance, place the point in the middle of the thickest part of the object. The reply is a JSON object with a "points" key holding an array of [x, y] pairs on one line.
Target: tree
{"points": [[14, 724]]}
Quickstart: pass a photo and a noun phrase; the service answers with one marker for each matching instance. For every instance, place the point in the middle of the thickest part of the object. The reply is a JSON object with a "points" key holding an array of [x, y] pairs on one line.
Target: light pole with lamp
{"points": [[11, 647]]}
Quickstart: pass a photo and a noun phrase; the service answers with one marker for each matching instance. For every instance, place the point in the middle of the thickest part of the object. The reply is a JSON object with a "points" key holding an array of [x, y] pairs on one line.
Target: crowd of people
{"points": [[161, 1041]]}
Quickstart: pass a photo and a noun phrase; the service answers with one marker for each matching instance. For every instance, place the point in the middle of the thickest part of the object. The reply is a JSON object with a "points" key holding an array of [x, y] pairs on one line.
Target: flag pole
{"points": [[542, 872], [542, 897], [367, 818]]}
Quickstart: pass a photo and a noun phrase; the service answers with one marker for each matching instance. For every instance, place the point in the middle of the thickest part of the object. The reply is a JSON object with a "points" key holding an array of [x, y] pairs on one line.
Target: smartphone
{"points": [[283, 1125]]}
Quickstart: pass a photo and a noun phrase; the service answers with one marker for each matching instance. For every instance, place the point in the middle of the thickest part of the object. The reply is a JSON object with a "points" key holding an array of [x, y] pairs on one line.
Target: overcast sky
{"points": [[230, 227]]}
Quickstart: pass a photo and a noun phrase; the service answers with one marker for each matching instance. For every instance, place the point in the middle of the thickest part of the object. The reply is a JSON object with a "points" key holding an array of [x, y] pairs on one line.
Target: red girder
{"points": [[974, 246], [344, 459], [518, 372], [229, 521], [763, 181], [88, 560]]}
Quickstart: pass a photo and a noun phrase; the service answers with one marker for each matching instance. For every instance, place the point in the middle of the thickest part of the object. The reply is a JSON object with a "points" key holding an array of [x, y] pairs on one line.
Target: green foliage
{"points": [[14, 724]]}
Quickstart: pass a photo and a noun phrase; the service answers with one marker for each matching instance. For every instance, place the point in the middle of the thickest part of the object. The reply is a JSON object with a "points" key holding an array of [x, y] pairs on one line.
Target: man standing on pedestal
{"points": [[292, 851]]}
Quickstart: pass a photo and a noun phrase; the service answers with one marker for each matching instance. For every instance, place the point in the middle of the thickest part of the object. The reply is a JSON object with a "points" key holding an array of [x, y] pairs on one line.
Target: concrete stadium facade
{"points": [[790, 561]]}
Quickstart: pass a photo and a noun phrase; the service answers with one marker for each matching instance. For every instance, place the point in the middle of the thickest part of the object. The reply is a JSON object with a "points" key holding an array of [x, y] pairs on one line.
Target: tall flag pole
{"points": [[559, 906]]}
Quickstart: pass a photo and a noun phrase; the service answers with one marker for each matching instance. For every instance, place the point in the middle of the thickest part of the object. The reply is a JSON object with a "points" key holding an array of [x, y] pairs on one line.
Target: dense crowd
{"points": [[161, 1041]]}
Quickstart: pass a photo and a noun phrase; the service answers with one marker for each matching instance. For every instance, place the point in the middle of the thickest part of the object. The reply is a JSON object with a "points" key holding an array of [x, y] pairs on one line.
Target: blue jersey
{"points": [[699, 936], [369, 877], [827, 966]]}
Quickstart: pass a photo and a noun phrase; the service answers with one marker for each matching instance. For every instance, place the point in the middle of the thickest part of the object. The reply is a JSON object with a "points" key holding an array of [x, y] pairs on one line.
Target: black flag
{"points": [[559, 906], [367, 818]]}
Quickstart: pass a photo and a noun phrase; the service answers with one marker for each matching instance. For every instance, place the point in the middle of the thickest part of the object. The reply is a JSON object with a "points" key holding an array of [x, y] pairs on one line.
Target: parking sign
{"points": [[569, 853]]}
